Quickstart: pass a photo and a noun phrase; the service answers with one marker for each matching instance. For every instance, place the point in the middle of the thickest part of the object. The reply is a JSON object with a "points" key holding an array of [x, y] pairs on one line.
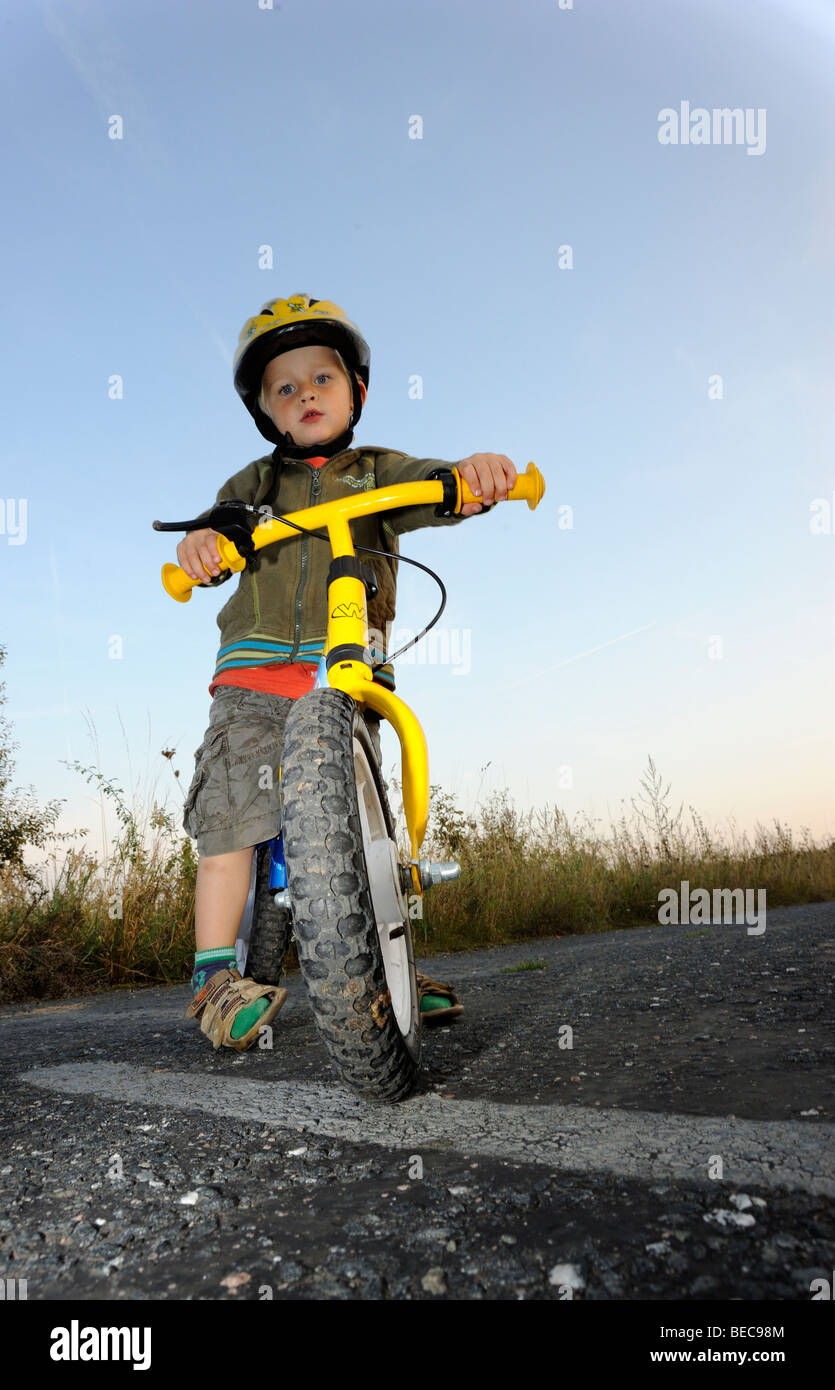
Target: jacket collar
{"points": [[280, 459]]}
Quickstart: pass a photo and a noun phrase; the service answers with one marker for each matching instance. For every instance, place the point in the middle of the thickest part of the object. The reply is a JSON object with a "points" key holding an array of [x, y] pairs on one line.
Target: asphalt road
{"points": [[681, 1148]]}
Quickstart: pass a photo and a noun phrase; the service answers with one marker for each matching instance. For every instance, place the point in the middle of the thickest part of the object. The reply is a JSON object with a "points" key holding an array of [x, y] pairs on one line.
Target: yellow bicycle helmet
{"points": [[284, 324]]}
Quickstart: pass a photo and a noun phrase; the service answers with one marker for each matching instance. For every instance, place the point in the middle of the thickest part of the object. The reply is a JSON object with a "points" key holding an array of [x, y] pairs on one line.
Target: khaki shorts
{"points": [[232, 802]]}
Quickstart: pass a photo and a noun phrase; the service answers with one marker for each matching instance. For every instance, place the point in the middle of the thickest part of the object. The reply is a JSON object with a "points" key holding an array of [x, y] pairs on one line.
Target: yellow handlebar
{"points": [[529, 487]]}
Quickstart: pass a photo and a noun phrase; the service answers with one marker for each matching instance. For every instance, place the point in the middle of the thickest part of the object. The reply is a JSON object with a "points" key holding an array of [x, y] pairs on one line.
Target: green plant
{"points": [[23, 822]]}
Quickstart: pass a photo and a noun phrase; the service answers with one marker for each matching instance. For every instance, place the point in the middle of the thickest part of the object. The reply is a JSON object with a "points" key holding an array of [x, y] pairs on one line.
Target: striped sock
{"points": [[207, 963]]}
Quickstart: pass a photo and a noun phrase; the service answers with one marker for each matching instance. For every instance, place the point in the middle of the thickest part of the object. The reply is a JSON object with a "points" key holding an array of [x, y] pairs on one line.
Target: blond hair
{"points": [[262, 396]]}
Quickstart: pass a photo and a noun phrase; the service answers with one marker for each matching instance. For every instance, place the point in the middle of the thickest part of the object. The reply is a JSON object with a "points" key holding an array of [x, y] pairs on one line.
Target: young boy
{"points": [[302, 371]]}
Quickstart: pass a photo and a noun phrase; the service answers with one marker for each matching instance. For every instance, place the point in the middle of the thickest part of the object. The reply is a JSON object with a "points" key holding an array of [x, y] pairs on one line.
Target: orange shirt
{"points": [[290, 679]]}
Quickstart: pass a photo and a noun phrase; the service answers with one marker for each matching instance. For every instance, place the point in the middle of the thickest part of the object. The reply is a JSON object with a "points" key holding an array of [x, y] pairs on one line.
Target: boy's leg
{"points": [[222, 887], [231, 799], [221, 893], [220, 899]]}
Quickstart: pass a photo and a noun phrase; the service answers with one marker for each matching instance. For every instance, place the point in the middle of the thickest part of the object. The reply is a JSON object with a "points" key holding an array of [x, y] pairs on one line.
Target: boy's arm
{"points": [[392, 468]]}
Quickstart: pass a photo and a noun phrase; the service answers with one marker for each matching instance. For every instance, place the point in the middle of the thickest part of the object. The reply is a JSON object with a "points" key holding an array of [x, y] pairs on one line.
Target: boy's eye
{"points": [[324, 375]]}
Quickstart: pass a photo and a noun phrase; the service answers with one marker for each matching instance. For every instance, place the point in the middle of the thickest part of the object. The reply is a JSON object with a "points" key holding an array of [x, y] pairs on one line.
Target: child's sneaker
{"points": [[224, 996]]}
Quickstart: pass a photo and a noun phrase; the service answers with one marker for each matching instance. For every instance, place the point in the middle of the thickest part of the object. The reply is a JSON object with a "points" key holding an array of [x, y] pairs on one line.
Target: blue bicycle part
{"points": [[278, 868]]}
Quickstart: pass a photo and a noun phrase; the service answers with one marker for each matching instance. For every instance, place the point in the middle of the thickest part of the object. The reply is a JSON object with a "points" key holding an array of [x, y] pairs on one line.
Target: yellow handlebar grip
{"points": [[178, 584], [229, 555], [529, 485]]}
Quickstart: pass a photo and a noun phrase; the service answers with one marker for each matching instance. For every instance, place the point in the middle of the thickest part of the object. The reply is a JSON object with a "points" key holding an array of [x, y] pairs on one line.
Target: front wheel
{"points": [[350, 913]]}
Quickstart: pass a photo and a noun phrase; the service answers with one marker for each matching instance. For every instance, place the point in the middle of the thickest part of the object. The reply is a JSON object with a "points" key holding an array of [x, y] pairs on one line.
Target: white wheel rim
{"points": [[391, 909]]}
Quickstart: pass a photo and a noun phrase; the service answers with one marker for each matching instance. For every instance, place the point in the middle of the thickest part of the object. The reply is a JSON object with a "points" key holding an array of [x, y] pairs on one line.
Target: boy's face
{"points": [[305, 380]]}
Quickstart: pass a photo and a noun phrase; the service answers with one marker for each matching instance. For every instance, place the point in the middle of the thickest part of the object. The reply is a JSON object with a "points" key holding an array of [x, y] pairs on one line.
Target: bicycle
{"points": [[332, 875]]}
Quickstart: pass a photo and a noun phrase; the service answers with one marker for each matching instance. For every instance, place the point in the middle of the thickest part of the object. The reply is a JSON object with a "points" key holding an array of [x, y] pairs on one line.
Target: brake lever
{"points": [[229, 519]]}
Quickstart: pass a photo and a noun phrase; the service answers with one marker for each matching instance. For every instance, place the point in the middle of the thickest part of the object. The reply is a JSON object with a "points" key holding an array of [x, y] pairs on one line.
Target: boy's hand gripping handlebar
{"points": [[231, 520], [237, 544]]}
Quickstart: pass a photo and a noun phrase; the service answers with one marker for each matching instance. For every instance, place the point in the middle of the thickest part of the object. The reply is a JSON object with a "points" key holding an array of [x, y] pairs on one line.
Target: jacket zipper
{"points": [[314, 494]]}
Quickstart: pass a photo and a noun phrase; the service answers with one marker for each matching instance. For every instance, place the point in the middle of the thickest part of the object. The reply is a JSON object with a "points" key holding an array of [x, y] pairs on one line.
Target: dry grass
{"points": [[128, 920], [93, 925], [540, 873]]}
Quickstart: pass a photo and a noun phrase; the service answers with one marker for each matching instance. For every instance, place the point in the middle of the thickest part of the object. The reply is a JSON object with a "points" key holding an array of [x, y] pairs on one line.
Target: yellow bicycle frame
{"points": [[347, 618]]}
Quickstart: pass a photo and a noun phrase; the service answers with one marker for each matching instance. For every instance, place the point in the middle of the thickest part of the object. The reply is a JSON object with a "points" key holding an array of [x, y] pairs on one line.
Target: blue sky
{"points": [[583, 648]]}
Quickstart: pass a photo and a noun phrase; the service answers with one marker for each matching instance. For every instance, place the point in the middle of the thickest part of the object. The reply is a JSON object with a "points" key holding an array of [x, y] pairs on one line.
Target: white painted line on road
{"points": [[635, 1144]]}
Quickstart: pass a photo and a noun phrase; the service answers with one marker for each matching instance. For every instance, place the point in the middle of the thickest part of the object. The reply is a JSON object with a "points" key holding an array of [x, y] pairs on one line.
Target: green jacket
{"points": [[278, 613]]}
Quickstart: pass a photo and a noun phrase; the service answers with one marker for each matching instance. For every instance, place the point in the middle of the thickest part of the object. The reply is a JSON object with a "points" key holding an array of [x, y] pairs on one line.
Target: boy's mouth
{"points": [[311, 415]]}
